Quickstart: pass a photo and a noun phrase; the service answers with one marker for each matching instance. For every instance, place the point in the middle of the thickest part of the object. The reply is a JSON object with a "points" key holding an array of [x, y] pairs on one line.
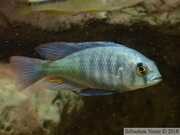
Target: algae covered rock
{"points": [[35, 110]]}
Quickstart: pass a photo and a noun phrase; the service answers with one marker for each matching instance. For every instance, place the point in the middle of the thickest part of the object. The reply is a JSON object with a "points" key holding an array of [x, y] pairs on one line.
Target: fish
{"points": [[88, 68], [68, 7]]}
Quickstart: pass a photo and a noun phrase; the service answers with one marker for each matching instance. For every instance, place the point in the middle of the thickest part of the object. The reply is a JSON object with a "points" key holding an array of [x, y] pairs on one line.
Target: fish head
{"points": [[153, 75], [140, 72]]}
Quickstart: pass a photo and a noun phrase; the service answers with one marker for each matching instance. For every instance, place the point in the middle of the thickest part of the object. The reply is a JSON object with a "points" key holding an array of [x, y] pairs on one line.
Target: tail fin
{"points": [[21, 8], [26, 70]]}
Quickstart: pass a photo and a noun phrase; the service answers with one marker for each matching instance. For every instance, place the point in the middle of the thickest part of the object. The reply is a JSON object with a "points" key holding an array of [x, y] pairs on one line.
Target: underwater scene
{"points": [[88, 67]]}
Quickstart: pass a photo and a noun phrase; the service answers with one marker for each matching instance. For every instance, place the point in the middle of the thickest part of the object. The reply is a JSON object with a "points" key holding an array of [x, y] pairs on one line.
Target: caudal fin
{"points": [[20, 9], [26, 70]]}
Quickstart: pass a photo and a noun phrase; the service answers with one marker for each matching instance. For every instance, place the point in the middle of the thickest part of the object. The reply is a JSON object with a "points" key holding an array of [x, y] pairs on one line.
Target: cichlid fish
{"points": [[72, 7], [105, 67]]}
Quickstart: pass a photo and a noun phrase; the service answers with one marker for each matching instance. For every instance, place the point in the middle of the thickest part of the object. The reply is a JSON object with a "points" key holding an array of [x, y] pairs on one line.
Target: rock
{"points": [[35, 110], [153, 12]]}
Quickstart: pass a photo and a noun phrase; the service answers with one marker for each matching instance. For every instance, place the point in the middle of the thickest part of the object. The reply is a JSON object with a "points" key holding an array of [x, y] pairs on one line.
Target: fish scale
{"points": [[105, 66], [91, 68]]}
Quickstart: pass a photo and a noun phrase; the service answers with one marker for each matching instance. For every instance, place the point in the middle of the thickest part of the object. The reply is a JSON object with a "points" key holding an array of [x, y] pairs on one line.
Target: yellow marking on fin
{"points": [[56, 12], [95, 10], [52, 79], [59, 81], [52, 60]]}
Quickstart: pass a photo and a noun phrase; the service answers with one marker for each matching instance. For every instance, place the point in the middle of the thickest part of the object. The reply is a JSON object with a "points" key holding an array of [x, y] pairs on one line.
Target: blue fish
{"points": [[105, 67]]}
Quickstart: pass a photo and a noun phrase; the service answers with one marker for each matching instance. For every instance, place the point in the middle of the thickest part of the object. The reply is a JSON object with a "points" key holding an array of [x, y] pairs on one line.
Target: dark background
{"points": [[155, 106]]}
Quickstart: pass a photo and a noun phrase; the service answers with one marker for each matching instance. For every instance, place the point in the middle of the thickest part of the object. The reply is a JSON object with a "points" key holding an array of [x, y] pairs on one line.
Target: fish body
{"points": [[104, 66], [69, 7]]}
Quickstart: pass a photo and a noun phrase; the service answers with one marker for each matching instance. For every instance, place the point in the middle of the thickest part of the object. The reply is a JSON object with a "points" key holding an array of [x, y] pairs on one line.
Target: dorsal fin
{"points": [[57, 50]]}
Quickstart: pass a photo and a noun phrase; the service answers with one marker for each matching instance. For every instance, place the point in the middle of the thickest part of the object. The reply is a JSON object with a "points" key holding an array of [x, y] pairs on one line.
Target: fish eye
{"points": [[141, 69]]}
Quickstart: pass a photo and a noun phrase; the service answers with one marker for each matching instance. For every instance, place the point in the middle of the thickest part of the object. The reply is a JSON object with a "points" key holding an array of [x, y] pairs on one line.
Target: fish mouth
{"points": [[155, 80]]}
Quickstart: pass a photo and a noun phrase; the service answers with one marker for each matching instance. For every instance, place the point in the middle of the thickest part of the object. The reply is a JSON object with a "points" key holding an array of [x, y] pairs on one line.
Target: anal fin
{"points": [[95, 92], [60, 83]]}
